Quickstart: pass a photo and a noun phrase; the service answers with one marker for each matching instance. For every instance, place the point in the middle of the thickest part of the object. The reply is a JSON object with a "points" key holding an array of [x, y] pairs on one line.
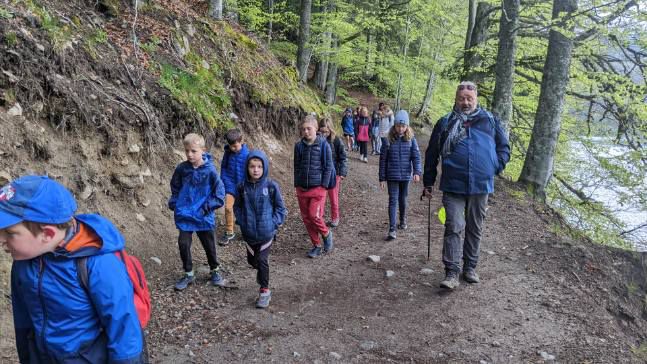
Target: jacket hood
{"points": [[348, 109], [207, 158], [402, 117], [91, 235], [243, 149], [266, 164]]}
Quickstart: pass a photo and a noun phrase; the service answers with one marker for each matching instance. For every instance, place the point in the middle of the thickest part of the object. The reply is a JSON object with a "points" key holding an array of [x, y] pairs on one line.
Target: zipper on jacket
{"points": [[308, 166], [41, 271]]}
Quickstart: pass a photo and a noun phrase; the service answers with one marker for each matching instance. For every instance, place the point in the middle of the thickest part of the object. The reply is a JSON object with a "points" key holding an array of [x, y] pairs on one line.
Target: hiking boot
{"points": [[227, 238], [470, 276], [184, 282], [450, 281], [402, 226], [315, 252], [391, 236], [263, 300], [327, 242], [333, 223], [216, 279]]}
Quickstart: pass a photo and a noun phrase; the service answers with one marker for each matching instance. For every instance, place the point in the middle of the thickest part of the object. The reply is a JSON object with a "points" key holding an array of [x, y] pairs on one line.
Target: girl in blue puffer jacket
{"points": [[398, 160], [259, 211]]}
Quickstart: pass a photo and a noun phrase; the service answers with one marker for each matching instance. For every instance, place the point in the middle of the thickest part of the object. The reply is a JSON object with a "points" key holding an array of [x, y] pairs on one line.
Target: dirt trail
{"points": [[539, 293]]}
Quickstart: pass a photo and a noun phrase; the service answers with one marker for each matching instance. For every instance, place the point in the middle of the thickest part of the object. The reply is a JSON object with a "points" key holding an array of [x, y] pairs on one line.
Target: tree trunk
{"points": [[270, 25], [215, 9], [405, 49], [471, 19], [538, 165], [331, 81], [367, 63], [431, 82], [473, 60], [321, 71], [504, 69], [303, 50]]}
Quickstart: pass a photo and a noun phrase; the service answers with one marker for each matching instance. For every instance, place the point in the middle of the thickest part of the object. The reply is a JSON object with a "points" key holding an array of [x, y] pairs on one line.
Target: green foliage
{"points": [[285, 51], [59, 34], [200, 89], [640, 351], [5, 14], [98, 36], [11, 39], [151, 45]]}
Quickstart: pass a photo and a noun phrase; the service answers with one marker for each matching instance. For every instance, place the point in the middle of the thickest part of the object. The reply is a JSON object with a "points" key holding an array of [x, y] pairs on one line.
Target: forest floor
{"points": [[542, 297]]}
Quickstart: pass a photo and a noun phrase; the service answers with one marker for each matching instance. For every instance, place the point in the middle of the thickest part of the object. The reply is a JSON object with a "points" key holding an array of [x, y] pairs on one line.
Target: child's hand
{"points": [[382, 184], [341, 178], [416, 178]]}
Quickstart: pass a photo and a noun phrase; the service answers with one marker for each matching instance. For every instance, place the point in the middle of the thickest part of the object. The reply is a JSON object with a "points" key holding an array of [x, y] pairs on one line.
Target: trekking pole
{"points": [[429, 230]]}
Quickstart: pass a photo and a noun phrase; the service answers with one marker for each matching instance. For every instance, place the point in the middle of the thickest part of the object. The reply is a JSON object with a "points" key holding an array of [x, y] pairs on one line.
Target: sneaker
{"points": [[227, 238], [402, 226], [470, 276], [314, 252], [392, 235], [216, 279], [365, 159], [333, 223], [450, 281], [327, 242], [263, 300], [184, 282]]}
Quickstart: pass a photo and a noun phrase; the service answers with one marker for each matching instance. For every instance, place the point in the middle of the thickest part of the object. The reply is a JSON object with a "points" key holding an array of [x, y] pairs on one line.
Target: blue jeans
{"points": [[464, 213], [398, 191]]}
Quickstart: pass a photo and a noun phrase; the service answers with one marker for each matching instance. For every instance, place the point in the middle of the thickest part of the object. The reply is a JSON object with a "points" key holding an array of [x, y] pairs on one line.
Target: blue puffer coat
{"points": [[471, 166], [259, 207], [55, 319], [347, 123], [339, 156], [195, 194], [232, 168], [313, 164], [399, 159]]}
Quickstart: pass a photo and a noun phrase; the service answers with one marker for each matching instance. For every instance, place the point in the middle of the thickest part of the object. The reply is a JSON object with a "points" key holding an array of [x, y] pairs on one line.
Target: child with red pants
{"points": [[327, 131], [313, 173]]}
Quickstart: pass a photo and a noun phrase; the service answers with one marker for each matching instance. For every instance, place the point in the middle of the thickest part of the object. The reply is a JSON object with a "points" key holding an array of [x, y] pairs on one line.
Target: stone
{"points": [[134, 149], [146, 202], [16, 110], [205, 64], [12, 78], [40, 47], [5, 177], [368, 345], [389, 273], [157, 260], [490, 252], [374, 258], [140, 217], [146, 173], [547, 357], [296, 354], [335, 355], [426, 271], [86, 193]]}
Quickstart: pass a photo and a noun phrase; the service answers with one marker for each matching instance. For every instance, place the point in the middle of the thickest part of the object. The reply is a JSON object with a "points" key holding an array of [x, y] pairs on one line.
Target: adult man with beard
{"points": [[473, 148]]}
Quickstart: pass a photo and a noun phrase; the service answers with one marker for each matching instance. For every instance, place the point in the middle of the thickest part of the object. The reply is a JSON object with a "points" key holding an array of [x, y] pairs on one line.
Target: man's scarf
{"points": [[456, 130]]}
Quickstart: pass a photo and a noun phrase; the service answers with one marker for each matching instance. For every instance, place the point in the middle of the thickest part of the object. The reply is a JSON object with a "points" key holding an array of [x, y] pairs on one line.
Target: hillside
{"points": [[106, 120]]}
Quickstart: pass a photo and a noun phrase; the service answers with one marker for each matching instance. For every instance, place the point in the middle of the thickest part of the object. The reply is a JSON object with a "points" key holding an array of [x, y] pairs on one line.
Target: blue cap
{"points": [[402, 117], [37, 199]]}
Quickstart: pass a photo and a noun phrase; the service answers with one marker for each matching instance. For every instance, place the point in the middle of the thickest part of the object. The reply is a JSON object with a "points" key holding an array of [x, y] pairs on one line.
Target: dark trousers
{"points": [[398, 191], [208, 240], [258, 256], [463, 213], [363, 148]]}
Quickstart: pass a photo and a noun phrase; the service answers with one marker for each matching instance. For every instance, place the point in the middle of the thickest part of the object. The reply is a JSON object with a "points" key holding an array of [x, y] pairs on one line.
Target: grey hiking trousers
{"points": [[463, 212]]}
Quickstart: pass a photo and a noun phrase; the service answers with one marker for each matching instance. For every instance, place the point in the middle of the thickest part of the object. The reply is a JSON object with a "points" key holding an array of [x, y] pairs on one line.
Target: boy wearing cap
{"points": [[55, 318], [399, 159]]}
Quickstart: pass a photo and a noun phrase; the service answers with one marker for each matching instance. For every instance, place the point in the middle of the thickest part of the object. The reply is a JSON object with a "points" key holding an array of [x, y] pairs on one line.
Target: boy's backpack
{"points": [[141, 294], [333, 174]]}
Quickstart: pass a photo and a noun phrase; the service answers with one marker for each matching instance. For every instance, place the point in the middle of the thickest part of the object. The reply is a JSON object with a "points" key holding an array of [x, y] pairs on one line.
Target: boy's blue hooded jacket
{"points": [[56, 321], [313, 164], [347, 124], [259, 207], [232, 168], [195, 194]]}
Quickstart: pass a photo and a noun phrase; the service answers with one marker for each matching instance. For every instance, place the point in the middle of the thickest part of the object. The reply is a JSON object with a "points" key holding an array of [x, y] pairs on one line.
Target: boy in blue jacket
{"points": [[56, 319], [196, 192], [259, 210], [232, 172]]}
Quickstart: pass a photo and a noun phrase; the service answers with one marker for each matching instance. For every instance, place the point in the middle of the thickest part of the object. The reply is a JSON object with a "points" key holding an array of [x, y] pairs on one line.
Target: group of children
{"points": [[65, 312], [359, 129]]}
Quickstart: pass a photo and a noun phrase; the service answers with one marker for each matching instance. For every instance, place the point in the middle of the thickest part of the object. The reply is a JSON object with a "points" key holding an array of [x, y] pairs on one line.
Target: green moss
{"points": [[11, 39], [151, 46], [98, 36], [239, 37], [201, 90], [59, 35], [640, 351], [5, 14]]}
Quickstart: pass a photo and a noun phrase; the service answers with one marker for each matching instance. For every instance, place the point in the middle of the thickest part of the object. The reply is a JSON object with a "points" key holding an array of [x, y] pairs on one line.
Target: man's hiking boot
{"points": [[470, 276], [263, 300], [333, 223], [402, 226], [327, 242], [216, 279], [184, 282], [391, 236], [226, 239], [315, 252], [450, 281]]}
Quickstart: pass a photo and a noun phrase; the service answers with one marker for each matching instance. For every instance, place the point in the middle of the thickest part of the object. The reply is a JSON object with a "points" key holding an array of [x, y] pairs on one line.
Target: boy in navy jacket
{"points": [[196, 192], [56, 319], [259, 210], [232, 172]]}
